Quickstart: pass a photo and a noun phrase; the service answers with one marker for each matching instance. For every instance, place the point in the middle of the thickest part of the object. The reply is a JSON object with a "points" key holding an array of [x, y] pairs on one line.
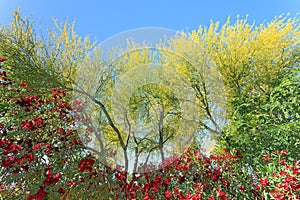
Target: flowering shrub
{"points": [[39, 144], [280, 177], [195, 176], [43, 158]]}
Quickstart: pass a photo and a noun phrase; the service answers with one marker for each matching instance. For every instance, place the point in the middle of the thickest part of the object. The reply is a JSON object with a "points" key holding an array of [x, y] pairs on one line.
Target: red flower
{"points": [[38, 121], [30, 157], [23, 84], [168, 194], [41, 194], [283, 152], [220, 193], [279, 197], [276, 151], [61, 191], [166, 182], [242, 188], [86, 164], [36, 146], [296, 172], [28, 125], [2, 73], [8, 162], [264, 182], [57, 176], [282, 173], [178, 193], [63, 93], [266, 158], [257, 187], [2, 59], [156, 188], [148, 197], [157, 179]]}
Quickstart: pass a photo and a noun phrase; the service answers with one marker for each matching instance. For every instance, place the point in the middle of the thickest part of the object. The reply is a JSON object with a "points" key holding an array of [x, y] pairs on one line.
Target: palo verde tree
{"points": [[43, 63], [253, 60]]}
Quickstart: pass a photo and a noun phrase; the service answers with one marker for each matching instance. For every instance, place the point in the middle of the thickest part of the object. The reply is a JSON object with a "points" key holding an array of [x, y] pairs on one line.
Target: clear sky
{"points": [[103, 18]]}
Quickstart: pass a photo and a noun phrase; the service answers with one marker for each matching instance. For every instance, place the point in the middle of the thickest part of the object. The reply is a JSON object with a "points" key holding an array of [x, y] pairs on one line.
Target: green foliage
{"points": [[260, 127]]}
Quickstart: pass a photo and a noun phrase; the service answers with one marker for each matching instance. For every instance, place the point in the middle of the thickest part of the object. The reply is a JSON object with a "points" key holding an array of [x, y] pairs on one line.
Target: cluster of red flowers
{"points": [[40, 195], [29, 102], [4, 81], [32, 124], [3, 73], [57, 94], [86, 164], [287, 178], [173, 175], [13, 160], [2, 59]]}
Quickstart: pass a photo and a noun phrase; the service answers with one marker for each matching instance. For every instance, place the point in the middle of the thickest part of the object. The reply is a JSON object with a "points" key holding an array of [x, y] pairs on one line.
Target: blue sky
{"points": [[101, 19]]}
